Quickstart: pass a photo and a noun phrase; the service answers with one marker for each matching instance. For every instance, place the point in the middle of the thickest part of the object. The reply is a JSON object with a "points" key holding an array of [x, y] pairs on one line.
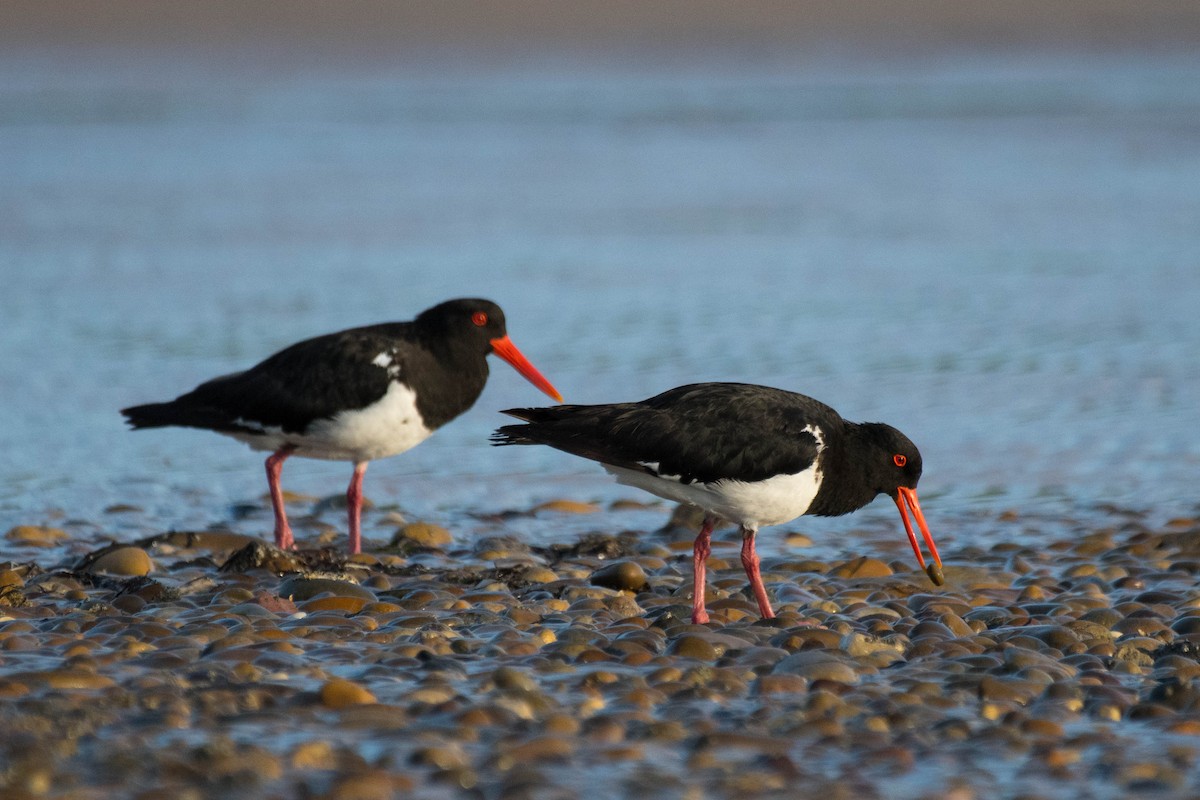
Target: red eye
{"points": [[899, 460], [479, 318]]}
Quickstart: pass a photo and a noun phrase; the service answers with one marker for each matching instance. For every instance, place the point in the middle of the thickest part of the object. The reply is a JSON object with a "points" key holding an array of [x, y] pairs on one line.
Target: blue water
{"points": [[999, 257]]}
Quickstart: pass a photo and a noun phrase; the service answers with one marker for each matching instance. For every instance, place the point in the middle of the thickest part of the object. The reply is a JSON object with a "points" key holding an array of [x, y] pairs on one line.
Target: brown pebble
{"points": [[817, 665], [123, 561], [541, 748], [340, 693], [780, 684], [351, 605], [422, 534], [567, 507], [693, 646], [625, 576], [862, 567], [299, 589], [314, 755], [129, 603], [934, 571], [35, 535]]}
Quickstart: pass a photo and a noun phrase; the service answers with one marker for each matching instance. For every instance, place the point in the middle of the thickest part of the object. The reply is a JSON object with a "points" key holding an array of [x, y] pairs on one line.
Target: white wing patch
{"points": [[387, 360]]}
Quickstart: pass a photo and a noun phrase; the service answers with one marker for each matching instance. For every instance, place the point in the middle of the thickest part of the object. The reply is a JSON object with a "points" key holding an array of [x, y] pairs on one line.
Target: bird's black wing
{"points": [[310, 380], [700, 432]]}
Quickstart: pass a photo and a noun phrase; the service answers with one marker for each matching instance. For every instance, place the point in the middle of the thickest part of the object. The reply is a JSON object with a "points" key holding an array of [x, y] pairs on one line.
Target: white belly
{"points": [[388, 426], [755, 504]]}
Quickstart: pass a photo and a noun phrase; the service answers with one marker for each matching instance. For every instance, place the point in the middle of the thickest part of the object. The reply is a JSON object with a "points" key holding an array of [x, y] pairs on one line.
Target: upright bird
{"points": [[748, 454], [356, 395]]}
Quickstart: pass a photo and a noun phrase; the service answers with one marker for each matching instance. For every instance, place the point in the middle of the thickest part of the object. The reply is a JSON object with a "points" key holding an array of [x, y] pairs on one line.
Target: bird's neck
{"points": [[846, 483]]}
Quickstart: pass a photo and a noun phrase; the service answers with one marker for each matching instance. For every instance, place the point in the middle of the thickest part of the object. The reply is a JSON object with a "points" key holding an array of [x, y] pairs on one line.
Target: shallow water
{"points": [[999, 257]]}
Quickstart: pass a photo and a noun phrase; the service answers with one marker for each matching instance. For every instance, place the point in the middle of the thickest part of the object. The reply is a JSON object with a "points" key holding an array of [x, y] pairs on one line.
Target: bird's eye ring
{"points": [[899, 459], [479, 318]]}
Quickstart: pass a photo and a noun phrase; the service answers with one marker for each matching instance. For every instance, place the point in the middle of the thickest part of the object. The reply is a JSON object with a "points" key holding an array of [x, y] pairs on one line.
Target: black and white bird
{"points": [[356, 395], [752, 455]]}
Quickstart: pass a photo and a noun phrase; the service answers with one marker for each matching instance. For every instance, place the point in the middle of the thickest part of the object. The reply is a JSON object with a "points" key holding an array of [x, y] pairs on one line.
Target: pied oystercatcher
{"points": [[356, 395], [748, 454]]}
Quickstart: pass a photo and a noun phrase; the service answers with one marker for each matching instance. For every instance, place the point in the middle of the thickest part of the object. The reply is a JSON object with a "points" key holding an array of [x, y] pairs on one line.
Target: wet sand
{"points": [[211, 665]]}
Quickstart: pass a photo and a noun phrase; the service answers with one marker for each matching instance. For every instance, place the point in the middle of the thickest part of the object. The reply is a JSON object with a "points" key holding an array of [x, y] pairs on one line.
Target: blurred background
{"points": [[977, 222]]}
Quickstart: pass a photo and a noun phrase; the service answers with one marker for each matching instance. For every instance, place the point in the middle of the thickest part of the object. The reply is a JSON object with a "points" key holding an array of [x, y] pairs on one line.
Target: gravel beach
{"points": [[209, 664]]}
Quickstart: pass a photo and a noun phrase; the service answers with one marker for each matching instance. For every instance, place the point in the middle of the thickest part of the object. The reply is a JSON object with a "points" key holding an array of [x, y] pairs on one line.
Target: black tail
{"points": [[151, 415], [518, 434], [174, 413], [580, 430]]}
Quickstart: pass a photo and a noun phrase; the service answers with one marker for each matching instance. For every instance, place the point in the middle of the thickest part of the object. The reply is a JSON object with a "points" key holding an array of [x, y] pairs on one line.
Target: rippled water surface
{"points": [[1000, 258]]}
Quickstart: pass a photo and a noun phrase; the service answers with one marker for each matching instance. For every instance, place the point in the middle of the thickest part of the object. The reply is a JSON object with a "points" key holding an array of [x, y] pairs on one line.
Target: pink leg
{"points": [[700, 551], [750, 562], [354, 506], [283, 531]]}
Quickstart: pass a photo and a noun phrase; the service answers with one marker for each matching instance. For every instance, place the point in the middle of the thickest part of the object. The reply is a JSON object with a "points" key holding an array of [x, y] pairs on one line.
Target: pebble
{"points": [[862, 567], [625, 576], [422, 534], [130, 561], [299, 589], [567, 507], [339, 693], [35, 535], [817, 665], [511, 668]]}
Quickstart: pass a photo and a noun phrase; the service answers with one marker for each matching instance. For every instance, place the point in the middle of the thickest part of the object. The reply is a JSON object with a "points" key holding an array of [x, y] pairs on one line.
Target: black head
{"points": [[468, 323], [893, 461], [464, 320], [893, 465]]}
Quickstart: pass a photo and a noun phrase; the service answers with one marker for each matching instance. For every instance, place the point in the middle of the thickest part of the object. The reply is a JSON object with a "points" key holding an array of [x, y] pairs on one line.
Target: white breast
{"points": [[388, 426], [755, 504]]}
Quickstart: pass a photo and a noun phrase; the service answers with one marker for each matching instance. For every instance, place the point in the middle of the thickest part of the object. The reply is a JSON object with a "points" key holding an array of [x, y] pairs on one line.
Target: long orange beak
{"points": [[908, 497], [504, 348]]}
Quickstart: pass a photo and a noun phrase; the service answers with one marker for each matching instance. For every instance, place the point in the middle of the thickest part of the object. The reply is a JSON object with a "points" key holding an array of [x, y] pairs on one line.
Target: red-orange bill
{"points": [[906, 500], [504, 348]]}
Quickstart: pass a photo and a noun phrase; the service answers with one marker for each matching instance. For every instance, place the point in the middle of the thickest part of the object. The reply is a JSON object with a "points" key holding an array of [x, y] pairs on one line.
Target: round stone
{"points": [[625, 576], [297, 589], [123, 561], [35, 535], [422, 534], [340, 693]]}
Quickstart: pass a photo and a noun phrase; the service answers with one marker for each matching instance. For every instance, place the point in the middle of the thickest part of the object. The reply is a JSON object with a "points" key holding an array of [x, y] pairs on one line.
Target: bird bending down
{"points": [[752, 455], [356, 395]]}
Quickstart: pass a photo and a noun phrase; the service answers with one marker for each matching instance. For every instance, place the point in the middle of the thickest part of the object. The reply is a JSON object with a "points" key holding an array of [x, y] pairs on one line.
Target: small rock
{"points": [[422, 534], [350, 605], [260, 555], [693, 646], [314, 755], [625, 576], [307, 588], [35, 535], [862, 568], [567, 507], [817, 665], [340, 693], [123, 561]]}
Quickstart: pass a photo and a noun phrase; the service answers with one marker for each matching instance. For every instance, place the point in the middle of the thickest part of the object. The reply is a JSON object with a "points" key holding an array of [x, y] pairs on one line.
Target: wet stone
{"points": [[621, 575], [35, 535], [123, 561], [862, 567], [422, 534], [567, 507], [339, 693], [299, 589], [817, 665]]}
